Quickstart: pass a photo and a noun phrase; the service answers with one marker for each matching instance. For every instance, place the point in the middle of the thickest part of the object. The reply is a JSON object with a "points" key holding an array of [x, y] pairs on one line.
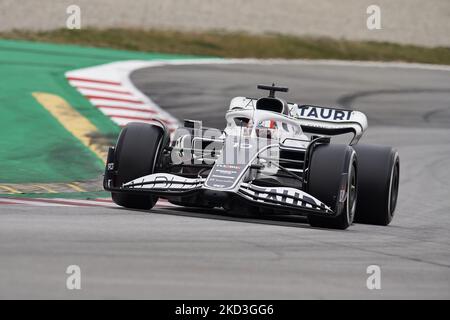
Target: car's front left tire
{"points": [[136, 154]]}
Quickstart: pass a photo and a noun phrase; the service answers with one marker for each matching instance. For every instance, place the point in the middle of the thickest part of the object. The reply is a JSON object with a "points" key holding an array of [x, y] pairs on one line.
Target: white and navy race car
{"points": [[273, 158]]}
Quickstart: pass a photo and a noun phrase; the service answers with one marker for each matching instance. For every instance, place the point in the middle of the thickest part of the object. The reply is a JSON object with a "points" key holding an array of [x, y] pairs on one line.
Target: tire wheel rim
{"points": [[394, 189], [352, 194]]}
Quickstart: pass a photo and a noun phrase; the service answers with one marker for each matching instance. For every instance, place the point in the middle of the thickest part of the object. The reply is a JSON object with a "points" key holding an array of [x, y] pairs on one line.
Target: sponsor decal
{"points": [[164, 181], [321, 113], [286, 195], [224, 176]]}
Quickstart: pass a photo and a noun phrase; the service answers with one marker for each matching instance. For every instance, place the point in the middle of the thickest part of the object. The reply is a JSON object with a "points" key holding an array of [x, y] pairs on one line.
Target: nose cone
{"points": [[218, 198]]}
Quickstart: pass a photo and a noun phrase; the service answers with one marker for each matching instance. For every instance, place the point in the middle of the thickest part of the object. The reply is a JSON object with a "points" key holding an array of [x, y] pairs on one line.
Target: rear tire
{"points": [[378, 184], [334, 166], [136, 155]]}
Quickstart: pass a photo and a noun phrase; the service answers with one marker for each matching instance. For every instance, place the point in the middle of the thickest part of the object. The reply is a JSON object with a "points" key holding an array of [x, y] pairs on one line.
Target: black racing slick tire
{"points": [[378, 184], [333, 170], [136, 154]]}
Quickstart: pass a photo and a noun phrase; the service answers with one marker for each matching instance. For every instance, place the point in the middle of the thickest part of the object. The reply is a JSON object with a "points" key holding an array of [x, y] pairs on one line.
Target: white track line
{"points": [[116, 103], [87, 202], [311, 62], [109, 85], [63, 202], [96, 80], [100, 92], [94, 85], [30, 202], [146, 109], [127, 112]]}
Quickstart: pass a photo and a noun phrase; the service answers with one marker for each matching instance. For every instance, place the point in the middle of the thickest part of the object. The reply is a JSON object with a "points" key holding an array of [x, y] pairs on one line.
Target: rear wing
{"points": [[330, 121], [317, 120]]}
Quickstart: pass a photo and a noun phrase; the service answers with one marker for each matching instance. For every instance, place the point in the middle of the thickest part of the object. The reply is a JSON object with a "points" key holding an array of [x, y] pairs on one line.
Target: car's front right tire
{"points": [[333, 180]]}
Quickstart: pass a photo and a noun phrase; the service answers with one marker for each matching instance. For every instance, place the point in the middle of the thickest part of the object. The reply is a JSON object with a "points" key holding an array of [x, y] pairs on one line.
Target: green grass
{"points": [[36, 147], [238, 45]]}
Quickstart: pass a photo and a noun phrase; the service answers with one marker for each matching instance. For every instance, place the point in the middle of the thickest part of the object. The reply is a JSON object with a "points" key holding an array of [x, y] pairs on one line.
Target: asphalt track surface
{"points": [[189, 253]]}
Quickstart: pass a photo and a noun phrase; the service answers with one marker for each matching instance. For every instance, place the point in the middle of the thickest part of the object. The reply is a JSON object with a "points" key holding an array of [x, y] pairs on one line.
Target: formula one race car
{"points": [[272, 158]]}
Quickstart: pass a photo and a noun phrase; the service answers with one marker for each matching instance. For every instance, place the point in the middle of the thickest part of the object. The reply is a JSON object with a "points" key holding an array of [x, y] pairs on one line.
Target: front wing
{"points": [[284, 199]]}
